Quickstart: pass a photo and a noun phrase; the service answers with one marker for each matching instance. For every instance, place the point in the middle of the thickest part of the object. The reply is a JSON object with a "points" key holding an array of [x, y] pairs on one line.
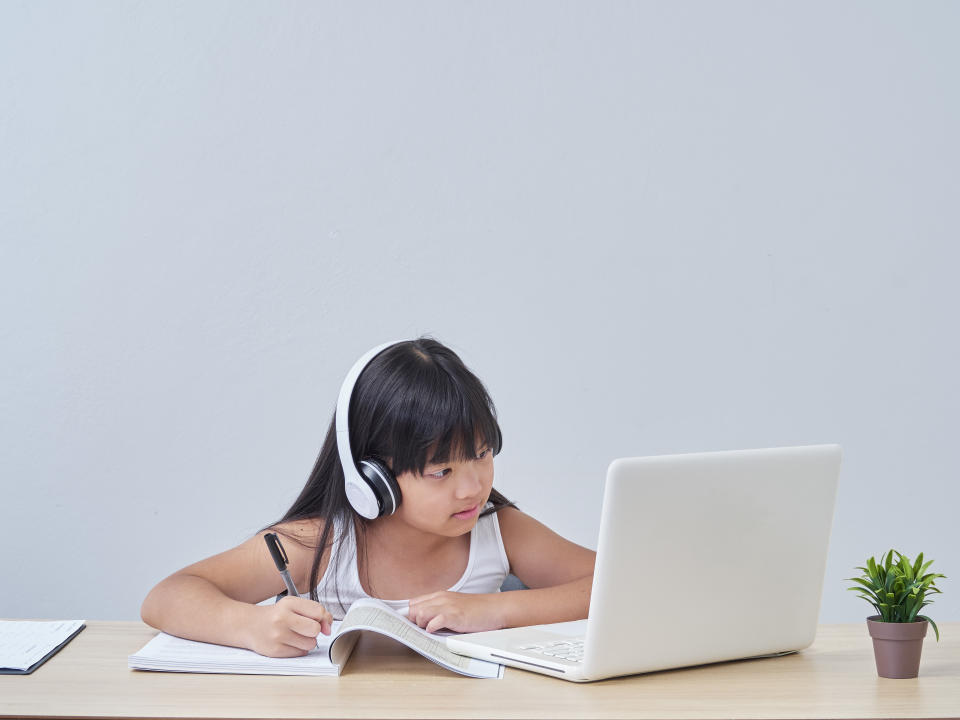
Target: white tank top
{"points": [[487, 568]]}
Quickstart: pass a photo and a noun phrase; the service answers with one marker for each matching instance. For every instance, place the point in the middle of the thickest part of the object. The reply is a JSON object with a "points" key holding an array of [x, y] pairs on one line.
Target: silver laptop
{"points": [[702, 558]]}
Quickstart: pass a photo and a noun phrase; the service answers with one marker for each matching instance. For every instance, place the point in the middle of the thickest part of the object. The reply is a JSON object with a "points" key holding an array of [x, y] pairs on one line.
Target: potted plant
{"points": [[897, 590]]}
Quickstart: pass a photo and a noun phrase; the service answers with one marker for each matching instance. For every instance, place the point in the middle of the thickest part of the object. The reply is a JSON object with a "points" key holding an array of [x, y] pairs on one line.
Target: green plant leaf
{"points": [[892, 577], [908, 604], [872, 602], [937, 631], [864, 583], [882, 572], [907, 567], [897, 588]]}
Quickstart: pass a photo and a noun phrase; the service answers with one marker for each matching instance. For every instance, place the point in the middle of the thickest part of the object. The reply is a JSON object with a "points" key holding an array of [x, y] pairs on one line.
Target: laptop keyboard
{"points": [[564, 650]]}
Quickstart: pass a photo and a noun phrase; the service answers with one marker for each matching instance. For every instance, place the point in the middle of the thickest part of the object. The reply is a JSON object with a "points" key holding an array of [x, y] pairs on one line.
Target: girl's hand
{"points": [[289, 627], [460, 612]]}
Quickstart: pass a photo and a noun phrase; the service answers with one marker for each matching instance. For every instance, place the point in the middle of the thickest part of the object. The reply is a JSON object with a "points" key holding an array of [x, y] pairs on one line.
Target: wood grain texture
{"points": [[834, 678]]}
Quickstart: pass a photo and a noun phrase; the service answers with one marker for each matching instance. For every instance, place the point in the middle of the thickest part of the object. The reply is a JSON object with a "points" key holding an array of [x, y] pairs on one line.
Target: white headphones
{"points": [[371, 489]]}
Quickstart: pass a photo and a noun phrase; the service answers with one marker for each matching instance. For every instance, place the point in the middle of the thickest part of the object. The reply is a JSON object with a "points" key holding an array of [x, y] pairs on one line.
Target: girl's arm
{"points": [[558, 572], [214, 600]]}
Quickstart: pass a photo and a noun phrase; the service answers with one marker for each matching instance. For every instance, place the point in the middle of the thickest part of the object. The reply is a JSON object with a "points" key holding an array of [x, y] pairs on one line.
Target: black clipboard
{"points": [[41, 661]]}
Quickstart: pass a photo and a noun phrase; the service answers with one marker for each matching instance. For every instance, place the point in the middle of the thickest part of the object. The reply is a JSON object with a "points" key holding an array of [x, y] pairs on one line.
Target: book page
{"points": [[370, 614]]}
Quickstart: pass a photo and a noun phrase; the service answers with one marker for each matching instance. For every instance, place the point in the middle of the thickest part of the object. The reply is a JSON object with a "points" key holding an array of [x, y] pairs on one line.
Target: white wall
{"points": [[649, 228]]}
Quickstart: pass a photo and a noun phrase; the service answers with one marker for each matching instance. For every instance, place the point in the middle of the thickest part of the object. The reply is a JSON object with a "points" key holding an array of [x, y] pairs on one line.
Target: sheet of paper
{"points": [[166, 652], [25, 642]]}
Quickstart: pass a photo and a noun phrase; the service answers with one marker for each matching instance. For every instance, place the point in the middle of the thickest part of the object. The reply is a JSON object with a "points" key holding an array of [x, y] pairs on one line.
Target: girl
{"points": [[416, 416]]}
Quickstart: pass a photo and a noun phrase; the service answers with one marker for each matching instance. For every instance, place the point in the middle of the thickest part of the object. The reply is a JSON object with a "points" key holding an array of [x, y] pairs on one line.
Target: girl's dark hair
{"points": [[414, 398]]}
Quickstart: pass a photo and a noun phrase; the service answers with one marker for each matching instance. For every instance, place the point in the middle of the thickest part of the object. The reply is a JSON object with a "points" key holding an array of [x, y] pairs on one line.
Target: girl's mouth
{"points": [[468, 513]]}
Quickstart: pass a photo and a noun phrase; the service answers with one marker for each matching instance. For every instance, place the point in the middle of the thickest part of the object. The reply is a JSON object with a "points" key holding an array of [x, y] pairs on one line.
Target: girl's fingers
{"points": [[301, 642], [423, 618], [308, 608], [304, 626], [294, 650], [435, 624], [309, 617]]}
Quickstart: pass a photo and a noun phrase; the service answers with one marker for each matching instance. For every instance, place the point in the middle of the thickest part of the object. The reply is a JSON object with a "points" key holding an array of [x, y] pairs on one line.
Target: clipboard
{"points": [[41, 661]]}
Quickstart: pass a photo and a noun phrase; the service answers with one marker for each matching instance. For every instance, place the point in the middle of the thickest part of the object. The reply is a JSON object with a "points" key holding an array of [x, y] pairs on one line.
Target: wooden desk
{"points": [[834, 678]]}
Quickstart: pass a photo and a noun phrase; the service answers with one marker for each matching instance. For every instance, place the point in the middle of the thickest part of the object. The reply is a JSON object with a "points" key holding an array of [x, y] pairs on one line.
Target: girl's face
{"points": [[448, 497]]}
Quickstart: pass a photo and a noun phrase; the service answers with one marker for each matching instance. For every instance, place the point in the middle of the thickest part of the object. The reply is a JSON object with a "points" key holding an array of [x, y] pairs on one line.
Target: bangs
{"points": [[443, 427], [431, 411]]}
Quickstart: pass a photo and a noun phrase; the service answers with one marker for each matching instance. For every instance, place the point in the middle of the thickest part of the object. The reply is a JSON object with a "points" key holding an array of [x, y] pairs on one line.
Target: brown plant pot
{"points": [[897, 646]]}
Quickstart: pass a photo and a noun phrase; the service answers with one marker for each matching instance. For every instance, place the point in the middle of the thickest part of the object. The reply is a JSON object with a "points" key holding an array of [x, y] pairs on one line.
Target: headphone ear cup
{"points": [[361, 496], [383, 484]]}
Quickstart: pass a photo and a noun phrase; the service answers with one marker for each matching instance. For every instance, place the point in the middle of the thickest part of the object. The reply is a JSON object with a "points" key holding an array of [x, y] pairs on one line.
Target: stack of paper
{"points": [[172, 654]]}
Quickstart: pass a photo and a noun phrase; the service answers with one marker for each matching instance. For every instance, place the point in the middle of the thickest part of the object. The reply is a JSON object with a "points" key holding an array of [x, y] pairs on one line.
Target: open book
{"points": [[173, 654]]}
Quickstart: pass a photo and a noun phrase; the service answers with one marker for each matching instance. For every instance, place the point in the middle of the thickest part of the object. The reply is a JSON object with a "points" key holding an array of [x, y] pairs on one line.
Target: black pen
{"points": [[280, 558]]}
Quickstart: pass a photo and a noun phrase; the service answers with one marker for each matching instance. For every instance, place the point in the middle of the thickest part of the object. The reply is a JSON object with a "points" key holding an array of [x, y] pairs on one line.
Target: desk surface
{"points": [[834, 678]]}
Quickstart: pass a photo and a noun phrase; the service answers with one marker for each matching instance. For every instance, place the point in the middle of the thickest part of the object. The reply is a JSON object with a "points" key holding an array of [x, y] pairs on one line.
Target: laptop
{"points": [[702, 558]]}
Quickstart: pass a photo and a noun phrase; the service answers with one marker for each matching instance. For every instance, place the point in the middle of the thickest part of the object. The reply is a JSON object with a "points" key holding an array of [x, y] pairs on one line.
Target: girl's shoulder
{"points": [[539, 556], [306, 532], [511, 517]]}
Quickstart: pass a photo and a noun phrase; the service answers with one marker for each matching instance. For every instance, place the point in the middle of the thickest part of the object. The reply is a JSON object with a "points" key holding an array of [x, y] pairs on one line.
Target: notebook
{"points": [[25, 645], [702, 558], [167, 653]]}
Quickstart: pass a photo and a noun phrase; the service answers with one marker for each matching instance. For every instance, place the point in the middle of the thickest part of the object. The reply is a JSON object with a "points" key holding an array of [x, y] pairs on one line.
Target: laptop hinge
{"points": [[528, 662]]}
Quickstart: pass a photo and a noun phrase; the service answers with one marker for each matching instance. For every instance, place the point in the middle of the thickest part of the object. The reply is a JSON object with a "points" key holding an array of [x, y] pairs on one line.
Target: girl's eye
{"points": [[440, 474]]}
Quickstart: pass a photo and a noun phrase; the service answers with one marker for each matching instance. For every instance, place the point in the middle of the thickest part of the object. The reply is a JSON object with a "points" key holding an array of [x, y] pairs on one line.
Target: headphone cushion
{"points": [[361, 496], [383, 483]]}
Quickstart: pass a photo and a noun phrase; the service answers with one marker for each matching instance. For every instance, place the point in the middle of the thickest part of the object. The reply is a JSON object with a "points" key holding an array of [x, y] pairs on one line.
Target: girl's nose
{"points": [[469, 483]]}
